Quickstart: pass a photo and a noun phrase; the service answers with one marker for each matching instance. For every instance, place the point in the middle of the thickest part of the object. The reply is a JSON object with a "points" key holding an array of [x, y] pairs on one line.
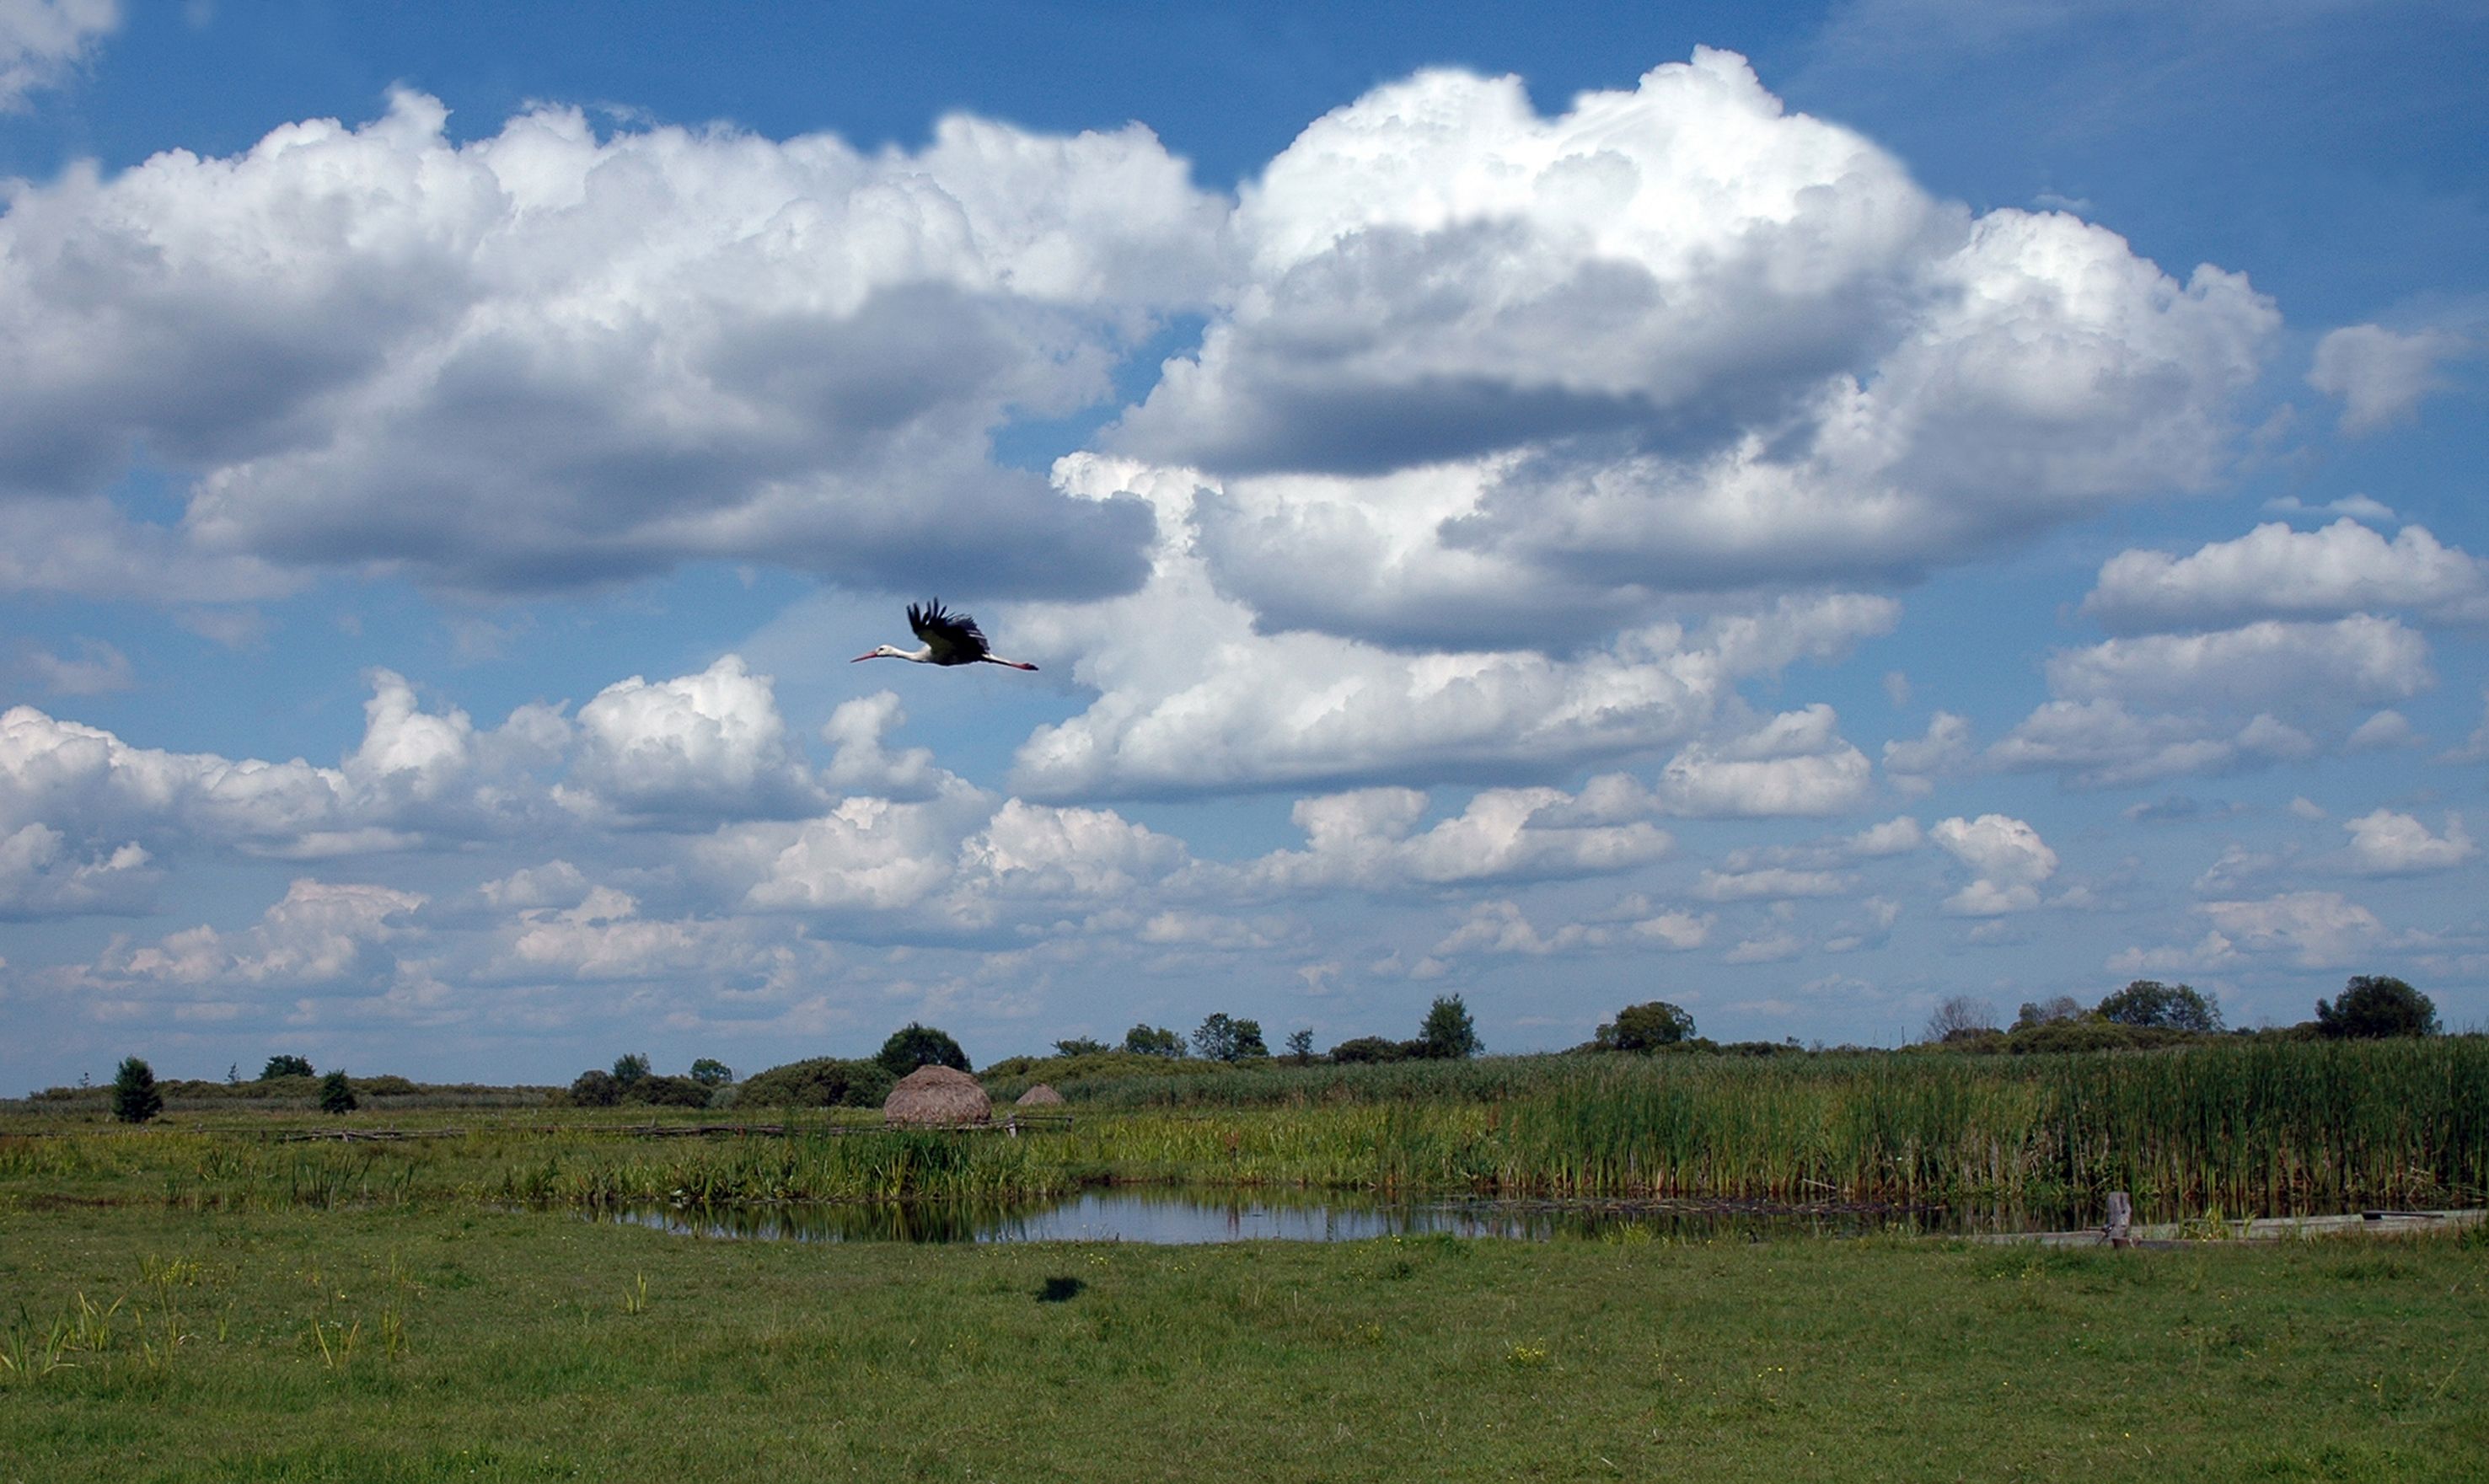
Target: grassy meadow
{"points": [[221, 1296], [412, 1344]]}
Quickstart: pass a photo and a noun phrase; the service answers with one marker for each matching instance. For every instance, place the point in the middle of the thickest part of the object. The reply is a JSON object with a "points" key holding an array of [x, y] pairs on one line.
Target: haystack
{"points": [[936, 1098], [1040, 1097]]}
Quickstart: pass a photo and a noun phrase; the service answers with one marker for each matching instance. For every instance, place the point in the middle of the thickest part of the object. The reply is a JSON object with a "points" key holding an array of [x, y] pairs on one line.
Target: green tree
{"points": [[1147, 1041], [630, 1067], [1448, 1033], [1300, 1046], [2150, 1004], [1646, 1027], [915, 1046], [134, 1098], [286, 1066], [593, 1088], [2374, 1006], [710, 1072], [1225, 1038], [336, 1094], [1079, 1045]]}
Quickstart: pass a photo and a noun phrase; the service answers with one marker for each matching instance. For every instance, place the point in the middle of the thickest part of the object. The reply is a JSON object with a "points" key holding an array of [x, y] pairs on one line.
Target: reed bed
{"points": [[2245, 1127]]}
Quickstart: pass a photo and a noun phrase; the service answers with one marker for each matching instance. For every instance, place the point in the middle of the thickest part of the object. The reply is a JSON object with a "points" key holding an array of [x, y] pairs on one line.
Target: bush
{"points": [[336, 1094], [286, 1066], [2373, 1005], [134, 1098], [1368, 1050], [915, 1046], [820, 1082], [668, 1093], [596, 1090]]}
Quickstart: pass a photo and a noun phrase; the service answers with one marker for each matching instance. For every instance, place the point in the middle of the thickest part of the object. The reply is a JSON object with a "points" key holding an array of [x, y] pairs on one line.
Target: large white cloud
{"points": [[1489, 370], [1369, 841], [2102, 744], [1796, 763], [700, 747], [546, 357], [2318, 929], [2267, 665], [323, 936], [2276, 572], [2387, 843], [1194, 698]]}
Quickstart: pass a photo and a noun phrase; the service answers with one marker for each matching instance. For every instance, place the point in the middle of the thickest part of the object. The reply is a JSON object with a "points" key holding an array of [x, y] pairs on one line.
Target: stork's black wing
{"points": [[955, 637]]}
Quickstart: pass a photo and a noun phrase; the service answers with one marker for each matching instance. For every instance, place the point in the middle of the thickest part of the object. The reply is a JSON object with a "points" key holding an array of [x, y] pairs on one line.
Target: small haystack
{"points": [[1040, 1097], [936, 1098]]}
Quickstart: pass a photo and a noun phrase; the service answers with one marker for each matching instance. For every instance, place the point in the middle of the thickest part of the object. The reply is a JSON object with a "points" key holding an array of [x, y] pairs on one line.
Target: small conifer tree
{"points": [[134, 1098], [336, 1094]]}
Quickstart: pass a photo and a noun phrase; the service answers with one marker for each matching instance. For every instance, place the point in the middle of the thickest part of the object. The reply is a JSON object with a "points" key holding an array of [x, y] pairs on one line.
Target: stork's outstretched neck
{"points": [[949, 639]]}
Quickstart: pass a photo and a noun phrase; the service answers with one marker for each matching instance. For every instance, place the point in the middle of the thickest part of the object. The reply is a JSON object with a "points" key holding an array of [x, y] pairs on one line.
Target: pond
{"points": [[1177, 1216]]}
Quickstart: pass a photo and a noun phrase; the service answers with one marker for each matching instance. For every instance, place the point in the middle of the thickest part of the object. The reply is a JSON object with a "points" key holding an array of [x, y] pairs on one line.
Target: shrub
{"points": [[1368, 1048], [668, 1093], [336, 1094], [593, 1088], [2374, 1006], [1079, 1045], [134, 1098], [915, 1046], [819, 1082], [286, 1066]]}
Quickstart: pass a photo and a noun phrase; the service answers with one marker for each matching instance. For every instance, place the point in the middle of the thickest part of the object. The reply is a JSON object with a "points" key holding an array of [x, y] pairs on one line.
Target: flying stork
{"points": [[950, 638]]}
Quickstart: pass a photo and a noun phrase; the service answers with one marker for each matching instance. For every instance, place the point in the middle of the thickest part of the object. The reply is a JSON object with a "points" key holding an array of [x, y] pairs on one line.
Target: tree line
{"points": [[2145, 1012]]}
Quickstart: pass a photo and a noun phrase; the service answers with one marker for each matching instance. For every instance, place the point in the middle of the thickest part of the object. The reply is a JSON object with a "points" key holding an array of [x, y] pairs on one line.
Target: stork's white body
{"points": [[950, 638]]}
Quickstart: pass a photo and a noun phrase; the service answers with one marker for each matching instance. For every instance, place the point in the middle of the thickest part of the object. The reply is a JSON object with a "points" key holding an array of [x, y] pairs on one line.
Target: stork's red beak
{"points": [[869, 654]]}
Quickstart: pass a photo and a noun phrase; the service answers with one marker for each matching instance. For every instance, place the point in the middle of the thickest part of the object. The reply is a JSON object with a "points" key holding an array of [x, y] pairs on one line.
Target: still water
{"points": [[1177, 1216]]}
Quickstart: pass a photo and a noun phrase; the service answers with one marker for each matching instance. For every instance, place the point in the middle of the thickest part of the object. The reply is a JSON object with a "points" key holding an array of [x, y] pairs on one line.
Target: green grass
{"points": [[410, 1345]]}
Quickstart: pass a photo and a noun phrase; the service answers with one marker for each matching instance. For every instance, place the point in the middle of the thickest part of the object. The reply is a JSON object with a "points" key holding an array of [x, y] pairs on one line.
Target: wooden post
{"points": [[2121, 1209]]}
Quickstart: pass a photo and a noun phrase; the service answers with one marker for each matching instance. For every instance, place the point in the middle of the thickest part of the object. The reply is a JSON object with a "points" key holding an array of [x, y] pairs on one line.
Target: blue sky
{"points": [[1802, 512]]}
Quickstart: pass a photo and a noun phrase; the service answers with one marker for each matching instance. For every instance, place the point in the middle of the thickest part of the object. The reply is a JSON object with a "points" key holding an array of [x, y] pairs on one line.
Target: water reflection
{"points": [[1180, 1217]]}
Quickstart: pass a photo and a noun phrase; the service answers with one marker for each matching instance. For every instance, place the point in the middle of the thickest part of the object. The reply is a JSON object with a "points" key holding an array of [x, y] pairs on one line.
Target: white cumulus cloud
{"points": [[40, 39], [2008, 860], [2387, 843], [2380, 375], [2276, 572]]}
